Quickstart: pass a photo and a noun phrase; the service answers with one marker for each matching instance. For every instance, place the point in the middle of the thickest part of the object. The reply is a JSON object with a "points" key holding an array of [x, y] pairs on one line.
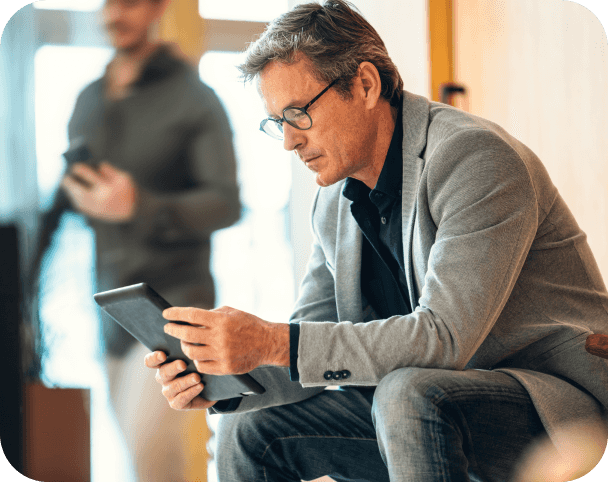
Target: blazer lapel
{"points": [[415, 126], [348, 264], [349, 236]]}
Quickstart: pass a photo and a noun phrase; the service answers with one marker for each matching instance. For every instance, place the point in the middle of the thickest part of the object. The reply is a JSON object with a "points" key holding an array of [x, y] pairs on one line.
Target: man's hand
{"points": [[111, 194], [181, 393], [226, 341]]}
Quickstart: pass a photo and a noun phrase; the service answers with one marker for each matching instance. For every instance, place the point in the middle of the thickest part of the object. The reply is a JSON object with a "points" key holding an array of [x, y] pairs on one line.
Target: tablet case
{"points": [[138, 309]]}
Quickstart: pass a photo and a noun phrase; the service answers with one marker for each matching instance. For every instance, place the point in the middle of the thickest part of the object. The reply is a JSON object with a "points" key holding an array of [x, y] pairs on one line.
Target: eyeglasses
{"points": [[297, 117]]}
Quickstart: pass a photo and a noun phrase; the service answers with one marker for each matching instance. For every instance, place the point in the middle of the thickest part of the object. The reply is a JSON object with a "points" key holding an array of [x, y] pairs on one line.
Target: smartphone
{"points": [[138, 309], [79, 152]]}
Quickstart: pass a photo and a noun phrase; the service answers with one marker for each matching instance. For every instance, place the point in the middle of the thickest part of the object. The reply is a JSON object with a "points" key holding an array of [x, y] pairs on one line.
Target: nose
{"points": [[292, 137]]}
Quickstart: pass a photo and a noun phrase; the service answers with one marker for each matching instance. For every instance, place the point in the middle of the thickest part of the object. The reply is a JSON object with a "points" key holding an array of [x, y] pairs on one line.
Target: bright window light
{"points": [[61, 72], [242, 9], [80, 5], [252, 261], [67, 311]]}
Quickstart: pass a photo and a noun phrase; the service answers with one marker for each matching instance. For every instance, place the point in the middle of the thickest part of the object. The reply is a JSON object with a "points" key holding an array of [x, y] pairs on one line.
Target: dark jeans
{"points": [[419, 424]]}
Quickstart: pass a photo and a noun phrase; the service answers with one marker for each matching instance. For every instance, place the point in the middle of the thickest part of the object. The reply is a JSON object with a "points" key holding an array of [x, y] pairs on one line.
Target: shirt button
{"points": [[383, 219], [328, 375], [337, 376], [345, 374]]}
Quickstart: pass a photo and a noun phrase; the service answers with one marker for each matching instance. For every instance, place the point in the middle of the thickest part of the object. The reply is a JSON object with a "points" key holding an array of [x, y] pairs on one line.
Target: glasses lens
{"points": [[272, 128], [298, 118]]}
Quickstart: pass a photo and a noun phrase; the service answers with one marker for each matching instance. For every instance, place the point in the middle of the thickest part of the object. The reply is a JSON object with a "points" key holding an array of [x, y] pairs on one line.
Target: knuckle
{"points": [[176, 368], [184, 384]]}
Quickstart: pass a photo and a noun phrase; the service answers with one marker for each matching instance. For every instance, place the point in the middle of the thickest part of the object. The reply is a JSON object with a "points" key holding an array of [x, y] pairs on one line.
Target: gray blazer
{"points": [[499, 273]]}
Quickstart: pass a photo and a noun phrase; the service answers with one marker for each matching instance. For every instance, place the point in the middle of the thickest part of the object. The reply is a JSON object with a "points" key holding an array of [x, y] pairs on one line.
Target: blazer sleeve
{"points": [[479, 195]]}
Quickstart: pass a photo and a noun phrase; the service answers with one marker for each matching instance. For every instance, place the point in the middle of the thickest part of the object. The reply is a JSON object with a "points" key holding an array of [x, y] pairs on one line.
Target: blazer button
{"points": [[337, 376], [328, 375], [345, 374]]}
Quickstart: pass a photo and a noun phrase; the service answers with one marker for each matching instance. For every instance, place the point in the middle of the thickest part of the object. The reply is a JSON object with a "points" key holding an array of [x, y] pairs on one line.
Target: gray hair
{"points": [[334, 37]]}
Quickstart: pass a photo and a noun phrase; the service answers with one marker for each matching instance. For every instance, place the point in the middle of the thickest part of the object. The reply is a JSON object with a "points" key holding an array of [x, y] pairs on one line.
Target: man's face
{"points": [[338, 144], [128, 21]]}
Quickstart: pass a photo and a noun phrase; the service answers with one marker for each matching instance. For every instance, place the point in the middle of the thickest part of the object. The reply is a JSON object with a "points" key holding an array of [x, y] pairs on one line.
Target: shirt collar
{"points": [[160, 64], [391, 176], [390, 179]]}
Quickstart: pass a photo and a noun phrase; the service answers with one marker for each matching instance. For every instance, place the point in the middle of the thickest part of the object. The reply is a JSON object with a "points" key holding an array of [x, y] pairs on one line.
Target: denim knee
{"points": [[405, 392]]}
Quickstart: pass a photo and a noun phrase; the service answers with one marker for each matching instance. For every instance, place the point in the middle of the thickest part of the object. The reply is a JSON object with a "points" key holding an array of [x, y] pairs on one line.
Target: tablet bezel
{"points": [[131, 303]]}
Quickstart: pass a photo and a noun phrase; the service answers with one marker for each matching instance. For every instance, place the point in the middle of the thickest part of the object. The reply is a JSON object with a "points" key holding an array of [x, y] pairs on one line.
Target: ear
{"points": [[370, 83]]}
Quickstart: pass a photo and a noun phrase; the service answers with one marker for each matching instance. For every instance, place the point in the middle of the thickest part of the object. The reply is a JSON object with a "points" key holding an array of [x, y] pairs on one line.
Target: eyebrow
{"points": [[292, 103]]}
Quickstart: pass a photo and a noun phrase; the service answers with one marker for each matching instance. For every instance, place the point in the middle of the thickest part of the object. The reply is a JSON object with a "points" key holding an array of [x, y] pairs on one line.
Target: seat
{"points": [[597, 345]]}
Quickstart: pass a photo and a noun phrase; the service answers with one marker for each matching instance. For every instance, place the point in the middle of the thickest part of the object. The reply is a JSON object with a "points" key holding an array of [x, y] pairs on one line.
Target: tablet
{"points": [[138, 309]]}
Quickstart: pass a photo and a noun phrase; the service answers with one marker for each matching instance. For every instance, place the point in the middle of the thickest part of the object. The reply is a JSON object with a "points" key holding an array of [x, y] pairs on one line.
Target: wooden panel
{"points": [[231, 36], [441, 43], [182, 25], [539, 68], [57, 434]]}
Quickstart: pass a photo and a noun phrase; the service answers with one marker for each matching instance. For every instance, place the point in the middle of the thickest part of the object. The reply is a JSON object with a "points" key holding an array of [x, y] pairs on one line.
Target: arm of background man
{"points": [[316, 300], [481, 199], [213, 203]]}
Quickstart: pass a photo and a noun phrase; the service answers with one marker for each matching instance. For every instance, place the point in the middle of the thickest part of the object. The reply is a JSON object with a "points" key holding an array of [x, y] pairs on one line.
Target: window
{"points": [[61, 72], [252, 260]]}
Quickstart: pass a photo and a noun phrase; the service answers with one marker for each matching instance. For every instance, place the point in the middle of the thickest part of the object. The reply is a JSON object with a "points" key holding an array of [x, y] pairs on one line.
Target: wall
{"points": [[539, 68]]}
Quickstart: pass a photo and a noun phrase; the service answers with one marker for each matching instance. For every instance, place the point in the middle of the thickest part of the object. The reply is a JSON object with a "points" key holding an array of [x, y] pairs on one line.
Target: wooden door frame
{"points": [[441, 38]]}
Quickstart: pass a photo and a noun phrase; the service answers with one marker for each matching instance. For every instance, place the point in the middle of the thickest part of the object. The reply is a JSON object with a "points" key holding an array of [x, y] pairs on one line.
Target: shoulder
{"points": [[88, 105], [187, 79], [459, 143], [458, 128], [189, 98], [92, 93]]}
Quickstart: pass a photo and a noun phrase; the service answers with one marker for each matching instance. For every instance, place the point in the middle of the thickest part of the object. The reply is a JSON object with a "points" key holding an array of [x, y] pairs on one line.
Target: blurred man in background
{"points": [[152, 167]]}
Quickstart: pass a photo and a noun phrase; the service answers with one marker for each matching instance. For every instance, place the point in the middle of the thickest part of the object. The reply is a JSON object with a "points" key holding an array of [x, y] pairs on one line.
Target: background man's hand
{"points": [[111, 194], [226, 341], [182, 392]]}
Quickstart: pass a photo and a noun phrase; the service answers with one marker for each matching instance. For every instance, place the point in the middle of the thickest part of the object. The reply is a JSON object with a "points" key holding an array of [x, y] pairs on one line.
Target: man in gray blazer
{"points": [[448, 295]]}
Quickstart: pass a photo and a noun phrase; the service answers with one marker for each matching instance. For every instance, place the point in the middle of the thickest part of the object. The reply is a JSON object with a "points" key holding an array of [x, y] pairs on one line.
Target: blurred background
{"points": [[539, 68]]}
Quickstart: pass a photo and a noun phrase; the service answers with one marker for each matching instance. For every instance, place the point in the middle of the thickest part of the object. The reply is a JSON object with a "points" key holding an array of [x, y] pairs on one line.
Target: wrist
{"points": [[278, 345]]}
